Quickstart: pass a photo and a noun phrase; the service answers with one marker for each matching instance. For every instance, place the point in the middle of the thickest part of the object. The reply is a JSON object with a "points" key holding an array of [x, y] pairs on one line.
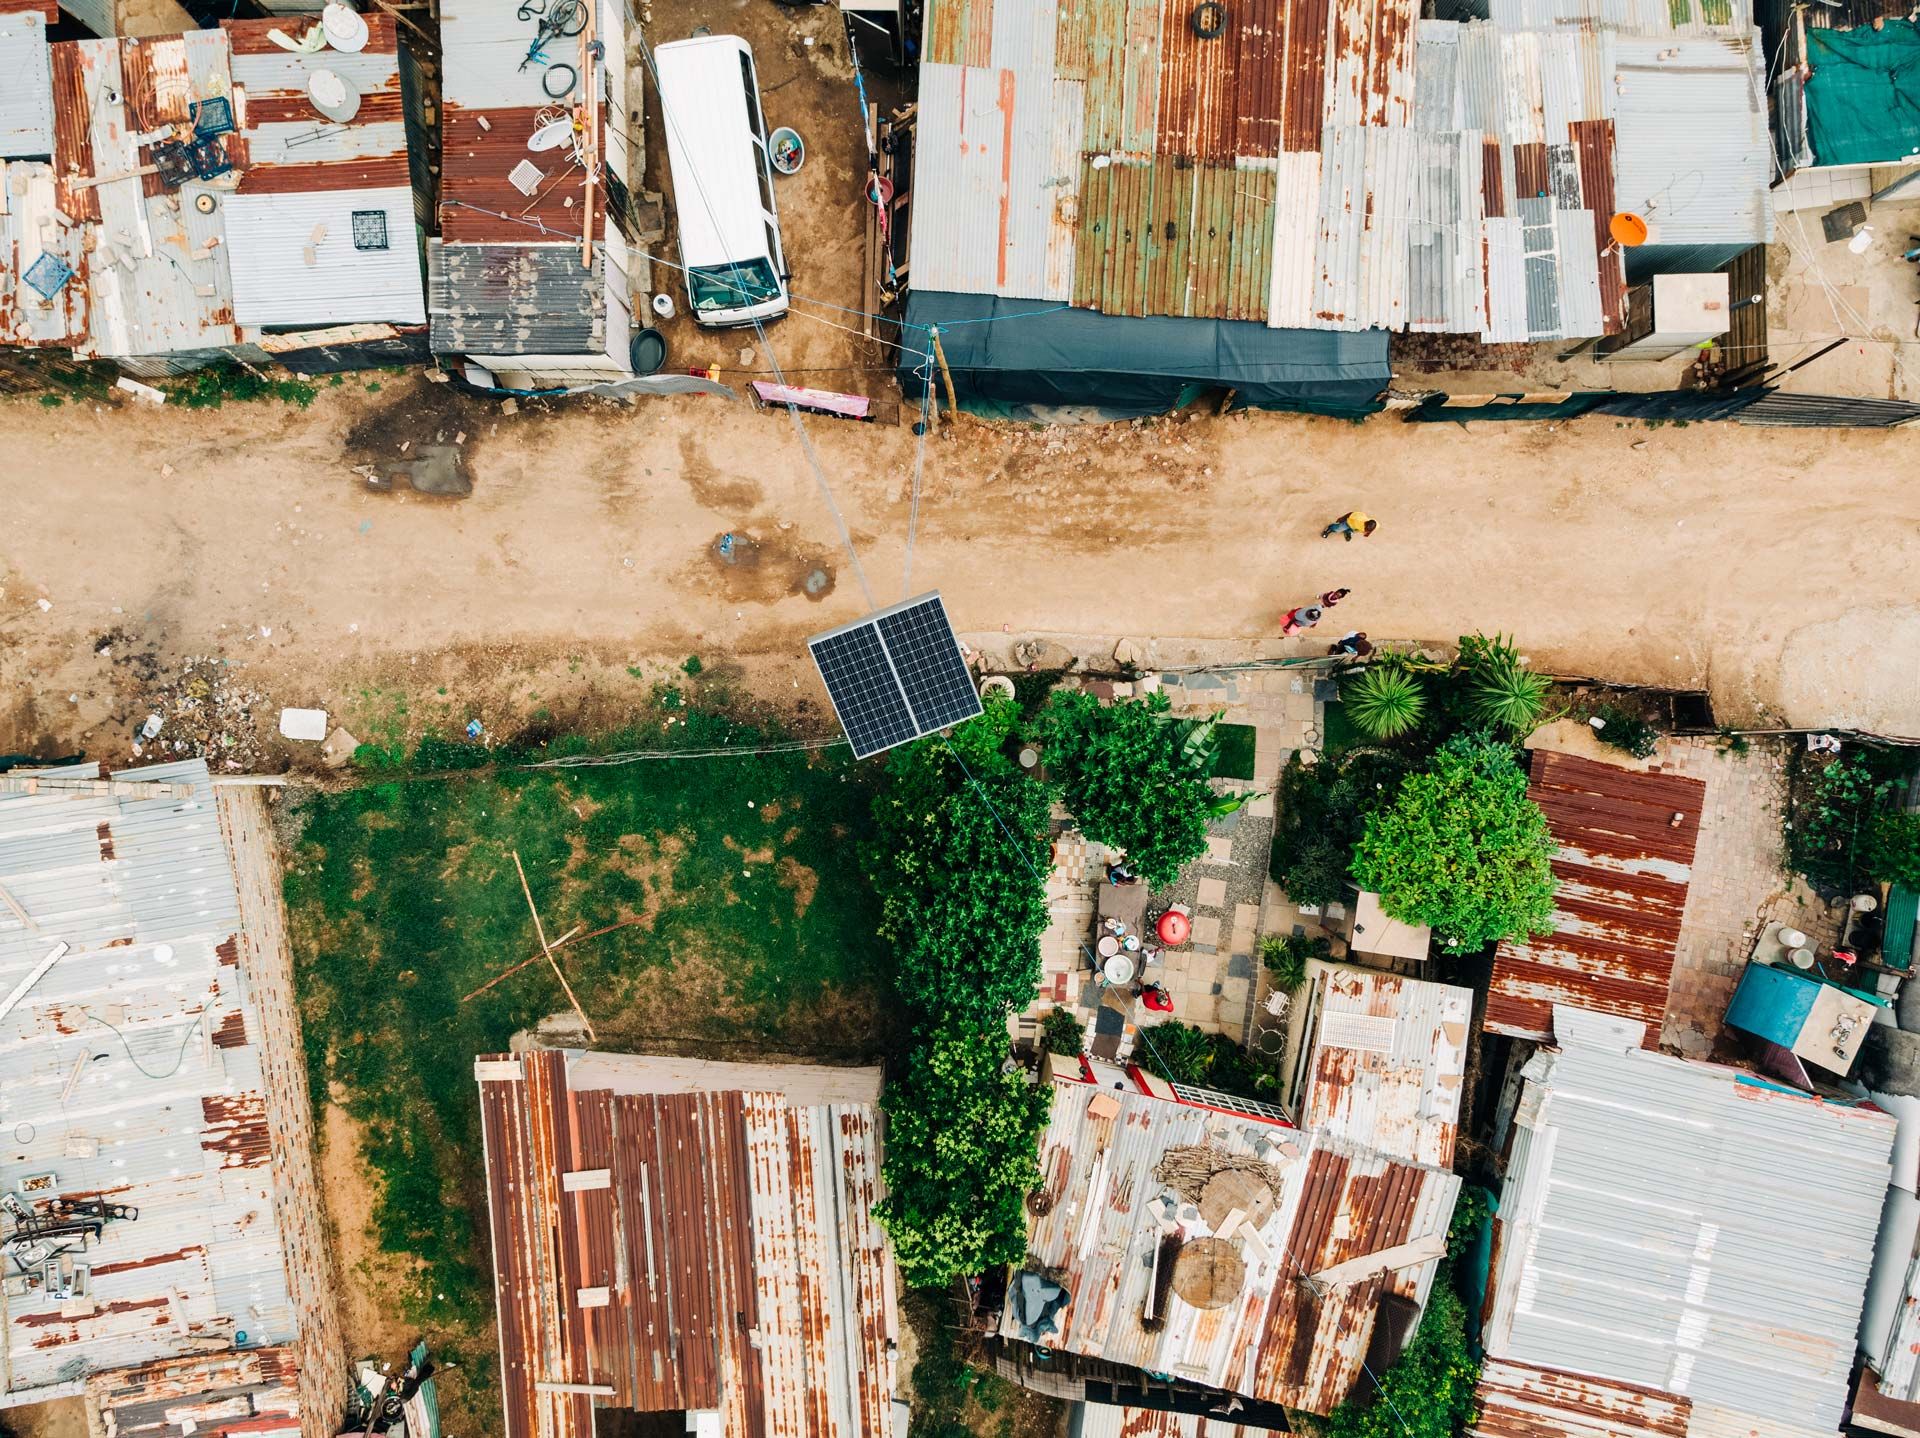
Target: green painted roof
{"points": [[1896, 948], [1863, 98]]}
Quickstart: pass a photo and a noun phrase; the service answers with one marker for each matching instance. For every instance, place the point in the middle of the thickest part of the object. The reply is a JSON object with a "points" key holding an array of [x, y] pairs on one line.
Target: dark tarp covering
{"points": [[1138, 365], [1863, 98]]}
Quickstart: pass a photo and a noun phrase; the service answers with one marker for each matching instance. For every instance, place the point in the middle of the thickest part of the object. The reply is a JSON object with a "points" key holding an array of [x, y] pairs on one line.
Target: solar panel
{"points": [[895, 675]]}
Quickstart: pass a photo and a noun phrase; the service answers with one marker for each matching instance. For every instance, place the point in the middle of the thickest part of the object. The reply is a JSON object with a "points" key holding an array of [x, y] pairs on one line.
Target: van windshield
{"points": [[732, 286]]}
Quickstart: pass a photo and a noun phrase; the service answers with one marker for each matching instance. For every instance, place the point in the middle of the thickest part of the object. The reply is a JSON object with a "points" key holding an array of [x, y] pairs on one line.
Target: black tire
{"points": [[1208, 20], [571, 76]]}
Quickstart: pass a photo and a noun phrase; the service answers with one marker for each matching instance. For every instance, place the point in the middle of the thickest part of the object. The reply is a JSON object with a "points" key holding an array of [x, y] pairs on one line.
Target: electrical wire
{"points": [[925, 372], [179, 1059], [636, 756]]}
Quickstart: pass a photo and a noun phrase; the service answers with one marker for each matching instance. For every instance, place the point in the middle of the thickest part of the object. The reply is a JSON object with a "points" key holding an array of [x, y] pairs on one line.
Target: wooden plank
{"points": [[13, 906]]}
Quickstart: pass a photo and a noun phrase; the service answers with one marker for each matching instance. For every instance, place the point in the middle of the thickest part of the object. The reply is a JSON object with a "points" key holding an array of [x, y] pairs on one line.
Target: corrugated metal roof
{"points": [[1102, 1216], [1695, 155], [132, 1070], [275, 282], [289, 146], [252, 1392], [514, 299], [1102, 1420], [710, 1250], [1463, 175], [26, 87], [1519, 1400], [1621, 877], [28, 229], [1392, 1080], [1686, 1228]]}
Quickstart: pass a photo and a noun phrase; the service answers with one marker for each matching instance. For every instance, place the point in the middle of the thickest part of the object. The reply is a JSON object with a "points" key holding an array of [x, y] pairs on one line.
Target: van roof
{"points": [[716, 187]]}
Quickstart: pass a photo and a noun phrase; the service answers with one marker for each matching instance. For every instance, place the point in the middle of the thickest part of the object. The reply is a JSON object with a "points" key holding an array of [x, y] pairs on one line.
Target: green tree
{"points": [[962, 1144], [1892, 851], [1131, 778], [959, 861], [1182, 1053], [1063, 1033], [1428, 1392], [1832, 827], [1501, 691], [1321, 811], [1462, 849]]}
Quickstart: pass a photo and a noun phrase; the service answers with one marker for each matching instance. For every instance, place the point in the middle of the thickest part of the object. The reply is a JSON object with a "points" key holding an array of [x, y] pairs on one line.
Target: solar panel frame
{"points": [[895, 675]]}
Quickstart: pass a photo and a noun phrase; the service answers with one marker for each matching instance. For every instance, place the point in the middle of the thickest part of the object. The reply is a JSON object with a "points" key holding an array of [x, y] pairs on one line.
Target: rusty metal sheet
{"points": [[1521, 1400], [477, 204], [1220, 97], [1102, 1212], [252, 1392], [733, 1235], [1622, 872], [1593, 142], [1167, 239]]}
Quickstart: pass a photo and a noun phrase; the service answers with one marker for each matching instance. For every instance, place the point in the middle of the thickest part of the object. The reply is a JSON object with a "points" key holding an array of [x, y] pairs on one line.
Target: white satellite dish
{"points": [[552, 135], [345, 29], [333, 95]]}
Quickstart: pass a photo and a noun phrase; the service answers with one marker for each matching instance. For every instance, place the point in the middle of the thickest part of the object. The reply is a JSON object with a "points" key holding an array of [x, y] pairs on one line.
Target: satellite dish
{"points": [[333, 95], [552, 135], [345, 29]]}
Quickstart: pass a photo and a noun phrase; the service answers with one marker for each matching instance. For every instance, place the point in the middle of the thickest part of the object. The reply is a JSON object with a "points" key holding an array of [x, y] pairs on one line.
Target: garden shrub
{"points": [[1501, 692], [1626, 731], [1462, 849], [1892, 854], [1320, 813], [1287, 955], [1384, 701], [1061, 1032], [1181, 1053]]}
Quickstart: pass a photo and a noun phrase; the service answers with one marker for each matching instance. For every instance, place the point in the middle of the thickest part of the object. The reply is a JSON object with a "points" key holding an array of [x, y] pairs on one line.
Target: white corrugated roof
{"points": [[132, 1068], [26, 87], [1688, 1228], [270, 236]]}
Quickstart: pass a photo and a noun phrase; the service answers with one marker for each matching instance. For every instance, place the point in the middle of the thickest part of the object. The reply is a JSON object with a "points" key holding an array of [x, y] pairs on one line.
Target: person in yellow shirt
{"points": [[1349, 524]]}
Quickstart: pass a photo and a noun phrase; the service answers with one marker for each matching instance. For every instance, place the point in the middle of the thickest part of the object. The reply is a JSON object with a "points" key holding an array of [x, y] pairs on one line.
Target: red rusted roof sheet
{"points": [[679, 1251], [1626, 842], [252, 1391], [1593, 145], [477, 202], [1220, 97], [1519, 1400]]}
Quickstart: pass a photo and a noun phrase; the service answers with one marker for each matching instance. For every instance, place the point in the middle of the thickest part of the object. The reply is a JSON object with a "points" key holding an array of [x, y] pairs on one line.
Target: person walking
{"points": [[1333, 597], [1349, 524], [1295, 620], [1352, 646]]}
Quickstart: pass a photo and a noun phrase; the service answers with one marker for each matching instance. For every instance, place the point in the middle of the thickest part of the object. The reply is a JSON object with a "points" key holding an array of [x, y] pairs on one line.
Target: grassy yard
{"points": [[747, 925]]}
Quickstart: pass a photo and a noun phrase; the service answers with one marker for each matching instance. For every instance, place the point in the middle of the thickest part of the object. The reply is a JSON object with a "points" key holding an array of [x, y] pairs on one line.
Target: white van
{"points": [[736, 272]]}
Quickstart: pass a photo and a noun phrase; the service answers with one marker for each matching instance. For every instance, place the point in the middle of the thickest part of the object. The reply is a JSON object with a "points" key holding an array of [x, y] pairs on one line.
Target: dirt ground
{"points": [[1774, 566]]}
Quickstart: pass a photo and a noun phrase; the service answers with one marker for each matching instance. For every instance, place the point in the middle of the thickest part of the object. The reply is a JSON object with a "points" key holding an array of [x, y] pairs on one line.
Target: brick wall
{"points": [[267, 966]]}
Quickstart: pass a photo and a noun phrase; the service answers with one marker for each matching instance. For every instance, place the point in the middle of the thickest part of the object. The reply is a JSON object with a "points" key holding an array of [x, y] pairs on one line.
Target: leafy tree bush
{"points": [[1061, 1032], [1384, 701], [1501, 692], [1286, 957], [962, 1140], [1131, 778], [1462, 849], [1320, 813], [1892, 853], [963, 906], [1182, 1053], [1428, 1393]]}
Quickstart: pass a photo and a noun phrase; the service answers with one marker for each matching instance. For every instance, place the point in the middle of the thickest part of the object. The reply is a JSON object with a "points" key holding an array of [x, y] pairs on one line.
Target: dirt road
{"points": [[1774, 566]]}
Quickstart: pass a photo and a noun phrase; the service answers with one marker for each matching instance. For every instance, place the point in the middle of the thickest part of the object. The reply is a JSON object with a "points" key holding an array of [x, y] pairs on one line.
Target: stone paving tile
{"points": [[1206, 930], [1219, 849], [1213, 894]]}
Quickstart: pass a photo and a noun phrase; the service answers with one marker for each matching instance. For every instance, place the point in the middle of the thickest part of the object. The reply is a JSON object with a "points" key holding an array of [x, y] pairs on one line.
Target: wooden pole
{"points": [[591, 110], [946, 375], [540, 929], [505, 974]]}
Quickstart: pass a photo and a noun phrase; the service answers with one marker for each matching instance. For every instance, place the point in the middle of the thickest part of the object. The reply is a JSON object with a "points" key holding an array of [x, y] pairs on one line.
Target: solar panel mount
{"points": [[895, 675]]}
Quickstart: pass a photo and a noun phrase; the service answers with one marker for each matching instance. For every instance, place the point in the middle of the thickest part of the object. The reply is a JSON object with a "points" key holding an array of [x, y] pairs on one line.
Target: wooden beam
{"points": [[13, 906], [93, 788], [1401, 1255], [540, 930], [38, 972], [589, 1390]]}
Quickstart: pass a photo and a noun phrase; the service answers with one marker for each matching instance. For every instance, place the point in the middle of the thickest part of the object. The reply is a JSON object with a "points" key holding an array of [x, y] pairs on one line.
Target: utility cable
{"points": [[179, 1059]]}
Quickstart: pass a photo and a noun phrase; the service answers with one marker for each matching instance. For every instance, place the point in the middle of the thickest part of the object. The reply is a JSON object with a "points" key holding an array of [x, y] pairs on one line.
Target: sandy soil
{"points": [[1774, 566]]}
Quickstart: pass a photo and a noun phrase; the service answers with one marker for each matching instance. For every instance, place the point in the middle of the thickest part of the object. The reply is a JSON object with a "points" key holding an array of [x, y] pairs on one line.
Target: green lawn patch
{"points": [[748, 926], [1236, 751], [1341, 733]]}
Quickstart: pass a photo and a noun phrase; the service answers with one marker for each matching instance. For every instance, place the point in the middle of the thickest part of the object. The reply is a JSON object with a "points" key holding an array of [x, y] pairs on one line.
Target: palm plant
{"points": [[1501, 691], [1384, 701]]}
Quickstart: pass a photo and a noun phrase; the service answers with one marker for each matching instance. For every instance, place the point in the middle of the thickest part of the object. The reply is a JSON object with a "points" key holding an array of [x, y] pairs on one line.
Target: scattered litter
{"points": [[45, 604], [151, 728], [475, 728], [105, 651], [73, 699], [207, 712], [366, 526], [166, 471], [266, 631], [509, 405]]}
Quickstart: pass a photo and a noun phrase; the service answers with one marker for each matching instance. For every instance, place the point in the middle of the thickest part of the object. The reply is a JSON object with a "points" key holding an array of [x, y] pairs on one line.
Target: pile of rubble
{"points": [[201, 711]]}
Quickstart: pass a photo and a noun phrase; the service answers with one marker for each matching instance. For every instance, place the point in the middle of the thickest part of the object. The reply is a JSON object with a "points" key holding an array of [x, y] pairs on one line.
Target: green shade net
{"points": [[1863, 98]]}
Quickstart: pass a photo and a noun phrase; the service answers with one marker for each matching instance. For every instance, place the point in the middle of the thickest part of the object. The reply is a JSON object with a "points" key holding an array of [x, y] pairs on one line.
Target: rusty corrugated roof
{"points": [[1621, 872], [1387, 1060], [1102, 1420], [252, 1392], [1521, 1400], [1103, 1215], [685, 1251]]}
